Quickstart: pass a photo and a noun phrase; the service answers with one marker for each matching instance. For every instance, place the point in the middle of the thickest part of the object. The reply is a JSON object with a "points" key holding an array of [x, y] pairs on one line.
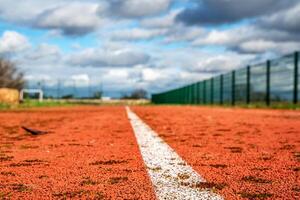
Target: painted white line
{"points": [[171, 176]]}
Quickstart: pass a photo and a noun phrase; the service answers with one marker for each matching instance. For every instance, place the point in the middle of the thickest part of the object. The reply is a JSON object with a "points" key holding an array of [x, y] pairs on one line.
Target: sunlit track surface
{"points": [[89, 153], [243, 153], [171, 176]]}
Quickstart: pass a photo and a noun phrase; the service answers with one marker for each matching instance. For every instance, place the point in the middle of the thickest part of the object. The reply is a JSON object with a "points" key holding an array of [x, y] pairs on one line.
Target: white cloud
{"points": [[180, 33], [25, 11], [137, 34], [165, 21], [287, 20], [44, 51], [72, 18], [81, 78], [108, 58], [12, 42], [143, 46], [260, 46], [138, 8], [251, 39], [222, 63]]}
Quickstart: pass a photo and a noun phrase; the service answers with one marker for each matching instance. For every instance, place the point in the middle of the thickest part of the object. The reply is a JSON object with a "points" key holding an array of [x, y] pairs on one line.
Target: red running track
{"points": [[91, 153], [252, 154]]}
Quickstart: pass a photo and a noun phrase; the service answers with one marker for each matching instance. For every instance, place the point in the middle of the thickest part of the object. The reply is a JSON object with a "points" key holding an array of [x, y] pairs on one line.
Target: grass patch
{"points": [[4, 106], [284, 106], [36, 104]]}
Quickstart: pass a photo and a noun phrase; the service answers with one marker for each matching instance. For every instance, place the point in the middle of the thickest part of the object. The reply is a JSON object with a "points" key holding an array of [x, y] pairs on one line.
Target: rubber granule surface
{"points": [[88, 153], [243, 154]]}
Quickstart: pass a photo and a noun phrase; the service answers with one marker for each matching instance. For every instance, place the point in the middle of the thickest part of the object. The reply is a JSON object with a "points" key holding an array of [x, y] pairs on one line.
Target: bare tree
{"points": [[10, 77]]}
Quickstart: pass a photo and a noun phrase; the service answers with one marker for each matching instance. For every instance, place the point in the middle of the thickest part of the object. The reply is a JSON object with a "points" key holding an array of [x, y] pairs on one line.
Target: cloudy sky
{"points": [[150, 44]]}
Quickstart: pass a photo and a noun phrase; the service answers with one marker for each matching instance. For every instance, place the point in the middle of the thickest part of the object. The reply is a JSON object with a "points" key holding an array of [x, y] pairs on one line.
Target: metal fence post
{"points": [[197, 93], [221, 89], [268, 99], [296, 73], [233, 87], [212, 91], [190, 94], [194, 94], [248, 99], [204, 91]]}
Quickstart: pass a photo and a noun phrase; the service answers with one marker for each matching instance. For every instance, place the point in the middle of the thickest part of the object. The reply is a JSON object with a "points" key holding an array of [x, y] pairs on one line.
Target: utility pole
{"points": [[74, 88], [58, 88]]}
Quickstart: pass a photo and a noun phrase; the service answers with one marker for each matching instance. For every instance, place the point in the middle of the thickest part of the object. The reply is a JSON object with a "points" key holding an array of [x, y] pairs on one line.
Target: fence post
{"points": [[221, 89], [204, 92], [186, 96], [268, 100], [212, 91], [248, 99], [198, 92], [195, 93], [233, 87], [296, 72], [190, 94]]}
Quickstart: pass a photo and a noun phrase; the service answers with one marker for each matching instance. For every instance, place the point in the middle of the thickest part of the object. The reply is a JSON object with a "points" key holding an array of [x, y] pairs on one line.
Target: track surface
{"points": [[92, 152], [251, 154]]}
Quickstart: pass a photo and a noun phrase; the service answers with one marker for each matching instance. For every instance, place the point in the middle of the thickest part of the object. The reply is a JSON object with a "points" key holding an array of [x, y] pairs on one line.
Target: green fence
{"points": [[275, 81]]}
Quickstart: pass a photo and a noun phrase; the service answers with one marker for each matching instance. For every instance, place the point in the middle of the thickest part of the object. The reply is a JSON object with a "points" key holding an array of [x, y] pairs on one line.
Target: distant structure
{"points": [[32, 91]]}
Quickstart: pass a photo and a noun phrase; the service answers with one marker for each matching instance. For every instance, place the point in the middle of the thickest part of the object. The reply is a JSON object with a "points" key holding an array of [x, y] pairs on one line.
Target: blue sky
{"points": [[151, 44]]}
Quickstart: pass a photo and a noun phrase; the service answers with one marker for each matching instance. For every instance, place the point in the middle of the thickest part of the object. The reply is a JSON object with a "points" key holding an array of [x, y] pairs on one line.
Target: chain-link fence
{"points": [[66, 89], [276, 81]]}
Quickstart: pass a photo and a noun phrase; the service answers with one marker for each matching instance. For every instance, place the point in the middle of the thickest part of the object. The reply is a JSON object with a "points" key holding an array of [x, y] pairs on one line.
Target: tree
{"points": [[10, 77], [97, 95], [136, 94]]}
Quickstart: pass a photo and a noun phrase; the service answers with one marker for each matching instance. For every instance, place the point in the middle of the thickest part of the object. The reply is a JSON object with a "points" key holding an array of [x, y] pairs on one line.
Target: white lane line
{"points": [[171, 176]]}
